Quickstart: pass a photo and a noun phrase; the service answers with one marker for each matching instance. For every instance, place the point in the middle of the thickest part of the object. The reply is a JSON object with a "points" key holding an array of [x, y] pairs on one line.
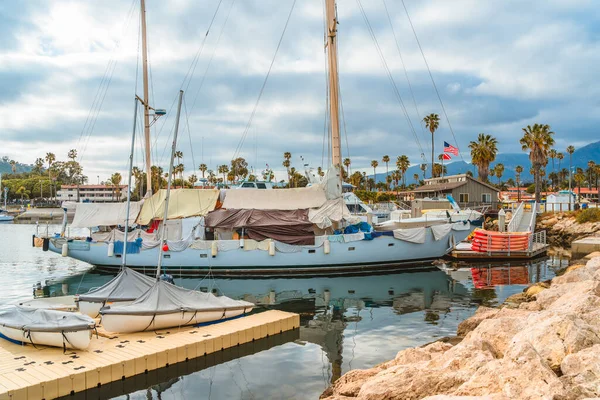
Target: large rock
{"points": [[556, 291], [581, 373], [471, 323]]}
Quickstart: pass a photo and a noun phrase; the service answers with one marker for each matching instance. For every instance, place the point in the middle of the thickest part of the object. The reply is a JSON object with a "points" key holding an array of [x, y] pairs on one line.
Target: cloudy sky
{"points": [[69, 71]]}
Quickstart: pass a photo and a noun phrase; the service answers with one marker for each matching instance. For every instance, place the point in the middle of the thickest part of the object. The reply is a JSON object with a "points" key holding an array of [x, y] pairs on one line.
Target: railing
{"points": [[534, 210], [537, 239], [515, 221]]}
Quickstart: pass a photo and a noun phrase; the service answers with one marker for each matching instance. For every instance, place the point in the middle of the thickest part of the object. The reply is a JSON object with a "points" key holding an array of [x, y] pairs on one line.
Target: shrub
{"points": [[589, 215]]}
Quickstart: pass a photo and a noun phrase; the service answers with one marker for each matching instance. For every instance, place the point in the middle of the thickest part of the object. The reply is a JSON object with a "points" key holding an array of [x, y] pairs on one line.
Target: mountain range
{"points": [[510, 160]]}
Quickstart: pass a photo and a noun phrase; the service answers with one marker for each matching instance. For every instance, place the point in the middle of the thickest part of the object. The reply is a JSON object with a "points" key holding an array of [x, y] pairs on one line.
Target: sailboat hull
{"points": [[126, 323], [72, 340], [356, 255]]}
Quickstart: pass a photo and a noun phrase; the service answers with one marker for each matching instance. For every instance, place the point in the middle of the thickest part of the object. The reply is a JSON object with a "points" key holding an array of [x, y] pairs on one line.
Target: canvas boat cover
{"points": [[166, 298], [276, 199], [334, 210], [88, 215], [182, 203], [287, 226], [128, 285], [40, 320]]}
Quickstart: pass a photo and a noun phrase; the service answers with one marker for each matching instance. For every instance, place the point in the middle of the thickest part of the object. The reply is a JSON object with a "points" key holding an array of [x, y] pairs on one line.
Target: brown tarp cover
{"points": [[287, 226]]}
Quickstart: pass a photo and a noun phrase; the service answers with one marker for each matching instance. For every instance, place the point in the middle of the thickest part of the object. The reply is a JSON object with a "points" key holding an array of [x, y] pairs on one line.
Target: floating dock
{"points": [[537, 250], [27, 372]]}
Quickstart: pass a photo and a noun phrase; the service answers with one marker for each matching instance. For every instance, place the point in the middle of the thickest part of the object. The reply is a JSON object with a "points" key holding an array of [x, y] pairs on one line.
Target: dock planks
{"points": [[47, 372]]}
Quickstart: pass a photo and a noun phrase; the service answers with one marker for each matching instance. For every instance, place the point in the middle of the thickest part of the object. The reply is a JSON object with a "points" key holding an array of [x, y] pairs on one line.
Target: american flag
{"points": [[450, 149], [446, 156]]}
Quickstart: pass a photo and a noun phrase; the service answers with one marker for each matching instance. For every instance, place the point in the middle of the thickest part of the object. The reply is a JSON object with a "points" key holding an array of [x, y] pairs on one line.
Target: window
{"points": [[248, 185], [463, 198], [261, 185], [486, 197]]}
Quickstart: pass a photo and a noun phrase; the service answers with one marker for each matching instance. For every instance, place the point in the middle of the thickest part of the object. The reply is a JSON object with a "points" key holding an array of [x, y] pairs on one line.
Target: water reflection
{"points": [[346, 321]]}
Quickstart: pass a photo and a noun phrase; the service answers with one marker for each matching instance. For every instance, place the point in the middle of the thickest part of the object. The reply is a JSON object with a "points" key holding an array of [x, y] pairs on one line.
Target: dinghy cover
{"points": [[40, 320], [128, 285], [165, 298]]}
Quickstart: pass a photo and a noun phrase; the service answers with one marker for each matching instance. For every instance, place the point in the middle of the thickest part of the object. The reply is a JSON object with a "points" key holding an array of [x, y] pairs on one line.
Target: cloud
{"points": [[498, 66]]}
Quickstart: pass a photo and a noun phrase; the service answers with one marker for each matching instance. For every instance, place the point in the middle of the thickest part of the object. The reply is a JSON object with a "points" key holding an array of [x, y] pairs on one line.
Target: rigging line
{"points": [[96, 97], [390, 77], [211, 57], [412, 94], [193, 63], [432, 80], [245, 133], [187, 121]]}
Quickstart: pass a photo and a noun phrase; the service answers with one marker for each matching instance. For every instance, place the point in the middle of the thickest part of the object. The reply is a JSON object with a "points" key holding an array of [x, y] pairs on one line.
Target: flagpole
{"points": [[442, 165]]}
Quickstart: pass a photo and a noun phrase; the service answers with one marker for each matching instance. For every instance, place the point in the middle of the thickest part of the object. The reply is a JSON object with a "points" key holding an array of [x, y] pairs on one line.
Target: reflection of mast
{"points": [[331, 32], [145, 101]]}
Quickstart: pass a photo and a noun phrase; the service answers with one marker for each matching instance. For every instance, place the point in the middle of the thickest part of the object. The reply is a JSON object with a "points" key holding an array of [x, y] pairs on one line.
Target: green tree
{"points": [[287, 156], [386, 160], [203, 169], [374, 164], [432, 122], [570, 151], [403, 163], [499, 169], [115, 181], [538, 140], [560, 157], [347, 163], [518, 170], [483, 153]]}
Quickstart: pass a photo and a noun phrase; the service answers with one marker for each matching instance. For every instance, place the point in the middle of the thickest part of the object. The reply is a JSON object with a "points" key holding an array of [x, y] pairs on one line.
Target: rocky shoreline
{"points": [[562, 228], [541, 344]]}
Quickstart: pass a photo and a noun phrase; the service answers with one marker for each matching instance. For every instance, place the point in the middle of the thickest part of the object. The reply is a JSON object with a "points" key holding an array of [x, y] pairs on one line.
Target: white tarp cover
{"points": [[275, 199], [41, 320], [332, 211], [441, 231], [165, 298], [413, 235], [332, 183], [182, 203], [116, 234], [88, 215], [128, 285], [461, 226]]}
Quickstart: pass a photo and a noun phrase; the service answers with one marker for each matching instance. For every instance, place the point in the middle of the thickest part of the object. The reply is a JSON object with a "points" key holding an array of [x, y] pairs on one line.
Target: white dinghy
{"points": [[46, 327], [127, 286], [166, 306]]}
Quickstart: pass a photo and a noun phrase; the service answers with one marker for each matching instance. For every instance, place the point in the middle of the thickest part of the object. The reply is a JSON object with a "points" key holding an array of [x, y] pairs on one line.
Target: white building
{"points": [[92, 193], [561, 201]]}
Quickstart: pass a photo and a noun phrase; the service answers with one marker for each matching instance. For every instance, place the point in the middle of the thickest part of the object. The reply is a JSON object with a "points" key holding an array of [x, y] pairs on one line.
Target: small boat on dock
{"points": [[41, 327], [166, 306]]}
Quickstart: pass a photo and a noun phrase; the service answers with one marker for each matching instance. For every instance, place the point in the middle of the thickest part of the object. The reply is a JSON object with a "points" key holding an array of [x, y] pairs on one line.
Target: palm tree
{"points": [[192, 179], [591, 167], [499, 169], [374, 164], [50, 158], [538, 140], [432, 122], [287, 156], [223, 169], [483, 153], [203, 169], [579, 178], [570, 150], [13, 166], [386, 160], [115, 181], [72, 154], [416, 178], [347, 163], [560, 157], [552, 154], [403, 163], [518, 170]]}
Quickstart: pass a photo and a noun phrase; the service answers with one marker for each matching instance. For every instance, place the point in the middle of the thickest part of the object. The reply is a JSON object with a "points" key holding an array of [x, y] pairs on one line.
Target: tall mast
{"points": [[127, 210], [333, 83], [145, 101], [168, 194]]}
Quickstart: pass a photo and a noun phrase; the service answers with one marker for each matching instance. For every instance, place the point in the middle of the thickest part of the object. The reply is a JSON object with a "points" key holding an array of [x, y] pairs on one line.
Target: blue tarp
{"points": [[132, 247]]}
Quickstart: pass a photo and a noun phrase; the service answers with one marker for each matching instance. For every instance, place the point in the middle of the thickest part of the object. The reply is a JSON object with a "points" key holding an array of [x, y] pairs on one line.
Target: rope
{"points": [[391, 78], [432, 80], [262, 89]]}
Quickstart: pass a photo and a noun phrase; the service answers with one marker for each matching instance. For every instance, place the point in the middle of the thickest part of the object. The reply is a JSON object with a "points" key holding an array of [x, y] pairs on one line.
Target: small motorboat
{"points": [[4, 217], [41, 327], [165, 305], [127, 286]]}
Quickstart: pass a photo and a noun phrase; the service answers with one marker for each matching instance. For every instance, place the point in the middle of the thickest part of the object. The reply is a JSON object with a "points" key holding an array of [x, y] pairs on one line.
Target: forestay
{"points": [[89, 215], [182, 203]]}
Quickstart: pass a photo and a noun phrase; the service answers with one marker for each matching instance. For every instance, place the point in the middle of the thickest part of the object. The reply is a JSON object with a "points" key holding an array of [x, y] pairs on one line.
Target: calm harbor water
{"points": [[346, 322]]}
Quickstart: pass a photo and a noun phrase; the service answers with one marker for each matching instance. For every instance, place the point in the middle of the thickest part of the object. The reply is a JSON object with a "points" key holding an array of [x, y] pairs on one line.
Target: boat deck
{"points": [[27, 372], [536, 250]]}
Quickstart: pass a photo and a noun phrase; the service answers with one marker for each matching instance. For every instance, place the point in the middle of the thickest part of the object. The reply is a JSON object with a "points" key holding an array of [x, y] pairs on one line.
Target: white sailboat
{"points": [[306, 228]]}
